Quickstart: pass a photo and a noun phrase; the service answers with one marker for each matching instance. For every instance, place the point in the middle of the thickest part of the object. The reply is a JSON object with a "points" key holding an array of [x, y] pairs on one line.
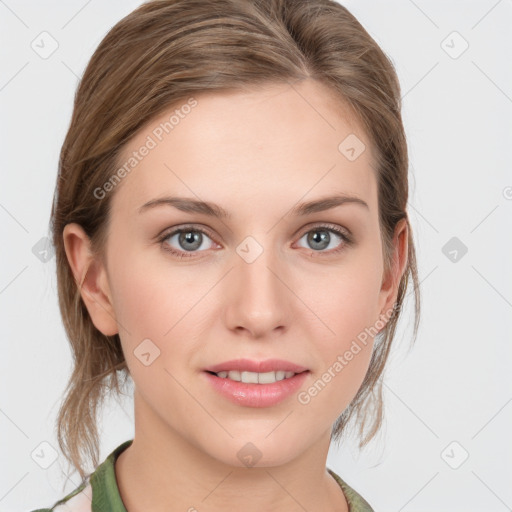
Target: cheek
{"points": [[354, 307], [150, 296], [345, 298], [156, 301], [346, 302], [149, 305]]}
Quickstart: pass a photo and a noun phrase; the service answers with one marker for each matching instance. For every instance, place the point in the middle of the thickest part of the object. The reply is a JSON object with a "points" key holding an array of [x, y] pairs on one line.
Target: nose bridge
{"points": [[258, 302]]}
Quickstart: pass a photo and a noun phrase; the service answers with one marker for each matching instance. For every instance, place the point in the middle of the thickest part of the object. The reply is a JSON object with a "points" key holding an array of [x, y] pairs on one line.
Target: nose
{"points": [[257, 300]]}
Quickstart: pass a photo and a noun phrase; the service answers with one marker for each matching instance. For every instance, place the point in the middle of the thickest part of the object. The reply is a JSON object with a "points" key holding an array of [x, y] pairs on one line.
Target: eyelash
{"points": [[347, 240]]}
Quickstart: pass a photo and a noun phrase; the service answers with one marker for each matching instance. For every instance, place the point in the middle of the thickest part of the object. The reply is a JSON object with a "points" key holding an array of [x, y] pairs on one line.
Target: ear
{"points": [[391, 279], [91, 278]]}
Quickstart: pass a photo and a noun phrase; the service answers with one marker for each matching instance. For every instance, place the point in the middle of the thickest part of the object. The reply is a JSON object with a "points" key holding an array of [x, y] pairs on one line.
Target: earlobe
{"points": [[91, 278]]}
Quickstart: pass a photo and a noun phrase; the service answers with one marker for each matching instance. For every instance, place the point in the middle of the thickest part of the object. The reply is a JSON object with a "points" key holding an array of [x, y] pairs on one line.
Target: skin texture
{"points": [[256, 155]]}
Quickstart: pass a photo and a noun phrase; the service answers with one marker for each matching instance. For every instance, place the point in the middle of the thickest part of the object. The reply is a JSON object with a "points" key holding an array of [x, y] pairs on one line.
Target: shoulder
{"points": [[78, 500], [101, 483], [356, 503]]}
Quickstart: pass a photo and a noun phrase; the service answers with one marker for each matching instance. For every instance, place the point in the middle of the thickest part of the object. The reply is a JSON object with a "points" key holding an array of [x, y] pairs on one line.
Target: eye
{"points": [[186, 240], [326, 238]]}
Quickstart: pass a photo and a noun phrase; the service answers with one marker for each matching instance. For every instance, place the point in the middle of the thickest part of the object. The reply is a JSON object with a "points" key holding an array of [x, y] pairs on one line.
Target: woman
{"points": [[231, 233]]}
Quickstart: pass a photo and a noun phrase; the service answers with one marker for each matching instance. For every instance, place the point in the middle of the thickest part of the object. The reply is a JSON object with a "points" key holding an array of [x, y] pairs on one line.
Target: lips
{"points": [[255, 395], [248, 365]]}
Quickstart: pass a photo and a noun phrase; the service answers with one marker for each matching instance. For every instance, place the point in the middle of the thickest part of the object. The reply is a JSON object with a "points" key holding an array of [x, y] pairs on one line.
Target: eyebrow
{"points": [[186, 204]]}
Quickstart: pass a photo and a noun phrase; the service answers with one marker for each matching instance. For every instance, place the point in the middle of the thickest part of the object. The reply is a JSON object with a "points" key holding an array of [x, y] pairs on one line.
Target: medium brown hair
{"points": [[163, 53]]}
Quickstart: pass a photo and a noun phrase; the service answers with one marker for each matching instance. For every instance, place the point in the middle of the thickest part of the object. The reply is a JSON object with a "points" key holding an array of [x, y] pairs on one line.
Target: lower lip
{"points": [[256, 395]]}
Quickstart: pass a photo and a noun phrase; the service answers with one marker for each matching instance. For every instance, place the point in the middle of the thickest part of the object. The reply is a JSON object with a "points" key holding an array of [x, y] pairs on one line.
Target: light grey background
{"points": [[450, 397]]}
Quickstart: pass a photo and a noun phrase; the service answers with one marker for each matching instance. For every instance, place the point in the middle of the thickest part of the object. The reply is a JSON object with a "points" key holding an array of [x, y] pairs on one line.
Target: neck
{"points": [[163, 470]]}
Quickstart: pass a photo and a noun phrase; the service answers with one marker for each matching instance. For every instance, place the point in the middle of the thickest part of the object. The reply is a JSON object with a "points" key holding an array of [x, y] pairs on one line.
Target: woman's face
{"points": [[269, 280]]}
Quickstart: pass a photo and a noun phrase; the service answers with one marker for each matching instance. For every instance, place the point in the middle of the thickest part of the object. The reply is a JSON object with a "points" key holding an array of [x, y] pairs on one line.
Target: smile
{"points": [[251, 389], [254, 377]]}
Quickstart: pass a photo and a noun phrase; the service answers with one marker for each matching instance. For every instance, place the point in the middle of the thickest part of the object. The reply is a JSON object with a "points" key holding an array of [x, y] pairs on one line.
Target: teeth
{"points": [[256, 378]]}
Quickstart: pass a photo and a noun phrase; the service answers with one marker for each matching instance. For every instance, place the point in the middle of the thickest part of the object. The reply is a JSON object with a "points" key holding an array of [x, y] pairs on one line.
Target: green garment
{"points": [[102, 485]]}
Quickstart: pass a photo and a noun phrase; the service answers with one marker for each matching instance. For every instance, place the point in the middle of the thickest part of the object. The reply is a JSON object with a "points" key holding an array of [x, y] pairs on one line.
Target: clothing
{"points": [[101, 486]]}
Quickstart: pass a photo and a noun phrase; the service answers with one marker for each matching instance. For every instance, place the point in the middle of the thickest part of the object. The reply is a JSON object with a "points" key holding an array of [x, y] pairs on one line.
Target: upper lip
{"points": [[248, 365]]}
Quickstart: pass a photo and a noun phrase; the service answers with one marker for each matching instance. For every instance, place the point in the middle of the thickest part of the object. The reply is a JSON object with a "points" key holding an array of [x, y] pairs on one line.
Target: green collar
{"points": [[105, 492], [356, 503]]}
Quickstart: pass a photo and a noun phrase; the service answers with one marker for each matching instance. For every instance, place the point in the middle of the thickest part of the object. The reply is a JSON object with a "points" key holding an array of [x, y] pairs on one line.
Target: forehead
{"points": [[290, 141]]}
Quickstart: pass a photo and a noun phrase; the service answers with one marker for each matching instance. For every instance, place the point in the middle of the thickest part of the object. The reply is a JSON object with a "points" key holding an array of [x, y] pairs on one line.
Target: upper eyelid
{"points": [[327, 225], [186, 227]]}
